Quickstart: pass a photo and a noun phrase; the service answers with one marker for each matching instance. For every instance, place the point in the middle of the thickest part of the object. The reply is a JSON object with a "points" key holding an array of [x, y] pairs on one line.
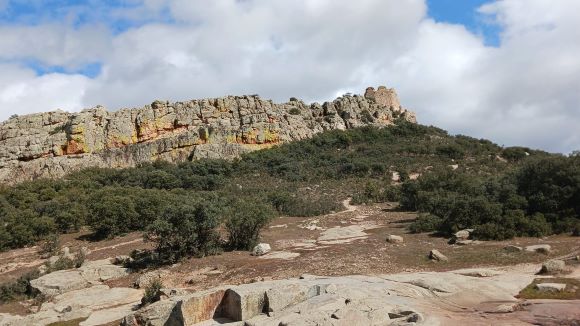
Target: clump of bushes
{"points": [[425, 223], [375, 192], [539, 198], [186, 230], [19, 289]]}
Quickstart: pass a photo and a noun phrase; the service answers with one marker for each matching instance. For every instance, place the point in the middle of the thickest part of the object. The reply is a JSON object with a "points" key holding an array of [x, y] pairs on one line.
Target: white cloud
{"points": [[522, 92]]}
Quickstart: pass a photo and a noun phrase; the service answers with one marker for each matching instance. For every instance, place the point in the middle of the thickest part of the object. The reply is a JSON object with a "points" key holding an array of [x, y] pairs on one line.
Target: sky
{"points": [[505, 70]]}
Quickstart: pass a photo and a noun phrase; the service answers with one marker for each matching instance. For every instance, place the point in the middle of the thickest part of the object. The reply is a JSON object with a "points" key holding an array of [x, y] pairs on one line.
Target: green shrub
{"points": [[245, 220], [152, 292], [186, 230], [425, 223], [111, 214], [19, 289], [493, 231], [294, 111], [50, 246]]}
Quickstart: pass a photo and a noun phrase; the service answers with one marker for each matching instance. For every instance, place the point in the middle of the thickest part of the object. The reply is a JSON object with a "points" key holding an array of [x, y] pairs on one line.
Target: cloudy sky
{"points": [[507, 70]]}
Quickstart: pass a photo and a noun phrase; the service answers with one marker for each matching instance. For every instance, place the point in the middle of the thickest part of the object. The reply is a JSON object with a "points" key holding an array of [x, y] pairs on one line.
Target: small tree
{"points": [[185, 230], [245, 221]]}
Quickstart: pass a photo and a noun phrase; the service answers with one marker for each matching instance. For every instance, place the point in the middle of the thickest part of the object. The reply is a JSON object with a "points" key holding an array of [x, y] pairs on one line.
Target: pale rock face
{"points": [[399, 299], [53, 144]]}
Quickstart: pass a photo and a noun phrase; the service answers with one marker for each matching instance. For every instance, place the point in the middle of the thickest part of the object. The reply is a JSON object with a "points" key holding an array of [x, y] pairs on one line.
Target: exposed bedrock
{"points": [[53, 144]]}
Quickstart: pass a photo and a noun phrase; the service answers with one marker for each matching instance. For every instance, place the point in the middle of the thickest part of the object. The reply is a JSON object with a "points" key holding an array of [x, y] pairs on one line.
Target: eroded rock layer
{"points": [[53, 144]]}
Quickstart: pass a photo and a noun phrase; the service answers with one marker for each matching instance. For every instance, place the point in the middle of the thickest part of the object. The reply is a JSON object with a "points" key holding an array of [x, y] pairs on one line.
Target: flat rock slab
{"points": [[286, 255], [550, 287], [92, 273], [344, 234], [60, 282]]}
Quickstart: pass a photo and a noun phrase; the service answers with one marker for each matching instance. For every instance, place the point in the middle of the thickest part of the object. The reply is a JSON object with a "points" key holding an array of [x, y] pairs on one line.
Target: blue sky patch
{"points": [[464, 12], [90, 70]]}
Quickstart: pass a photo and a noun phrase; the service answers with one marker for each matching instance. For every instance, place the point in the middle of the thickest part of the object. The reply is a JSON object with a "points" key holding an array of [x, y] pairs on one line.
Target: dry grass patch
{"points": [[571, 292]]}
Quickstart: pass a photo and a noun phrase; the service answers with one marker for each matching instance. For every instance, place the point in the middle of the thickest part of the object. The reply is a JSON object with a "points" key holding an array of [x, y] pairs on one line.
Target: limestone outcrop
{"points": [[53, 144], [399, 299]]}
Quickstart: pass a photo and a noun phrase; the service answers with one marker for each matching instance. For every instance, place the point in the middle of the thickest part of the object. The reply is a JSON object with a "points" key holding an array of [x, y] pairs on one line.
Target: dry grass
{"points": [[571, 292]]}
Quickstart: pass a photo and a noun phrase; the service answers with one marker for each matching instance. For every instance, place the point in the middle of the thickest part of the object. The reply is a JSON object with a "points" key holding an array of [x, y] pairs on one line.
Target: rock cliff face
{"points": [[55, 143]]}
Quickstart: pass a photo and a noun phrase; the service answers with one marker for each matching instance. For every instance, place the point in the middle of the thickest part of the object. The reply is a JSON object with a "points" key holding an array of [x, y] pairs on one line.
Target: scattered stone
{"points": [[550, 287], [512, 248], [437, 255], [553, 266], [464, 242], [507, 308], [541, 248], [462, 235], [395, 177], [261, 249], [394, 238]]}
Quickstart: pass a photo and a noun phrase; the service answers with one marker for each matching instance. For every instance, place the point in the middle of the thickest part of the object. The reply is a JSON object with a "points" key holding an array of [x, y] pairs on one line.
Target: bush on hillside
{"points": [[246, 218]]}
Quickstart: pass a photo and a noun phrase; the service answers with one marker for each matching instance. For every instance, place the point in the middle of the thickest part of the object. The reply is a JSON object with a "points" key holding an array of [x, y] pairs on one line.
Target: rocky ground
{"points": [[470, 282]]}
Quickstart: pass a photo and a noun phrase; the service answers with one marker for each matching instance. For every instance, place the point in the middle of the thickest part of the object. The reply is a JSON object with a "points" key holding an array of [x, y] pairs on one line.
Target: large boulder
{"points": [[60, 282], [394, 238], [91, 273], [261, 249], [541, 248], [436, 255], [553, 266]]}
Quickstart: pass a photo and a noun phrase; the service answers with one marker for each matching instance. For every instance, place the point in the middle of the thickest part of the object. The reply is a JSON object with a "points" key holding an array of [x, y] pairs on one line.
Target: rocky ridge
{"points": [[53, 144]]}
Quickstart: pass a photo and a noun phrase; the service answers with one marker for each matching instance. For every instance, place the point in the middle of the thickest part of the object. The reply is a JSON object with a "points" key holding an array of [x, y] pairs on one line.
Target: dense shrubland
{"points": [[539, 198], [202, 207]]}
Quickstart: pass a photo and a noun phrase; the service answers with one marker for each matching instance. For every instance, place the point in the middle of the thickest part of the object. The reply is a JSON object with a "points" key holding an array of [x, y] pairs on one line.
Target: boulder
{"points": [[512, 248], [437, 255], [244, 302], [506, 308], [198, 307], [60, 282], [102, 270], [279, 298], [541, 248], [155, 314], [394, 238], [553, 266], [261, 249], [462, 235], [550, 287]]}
